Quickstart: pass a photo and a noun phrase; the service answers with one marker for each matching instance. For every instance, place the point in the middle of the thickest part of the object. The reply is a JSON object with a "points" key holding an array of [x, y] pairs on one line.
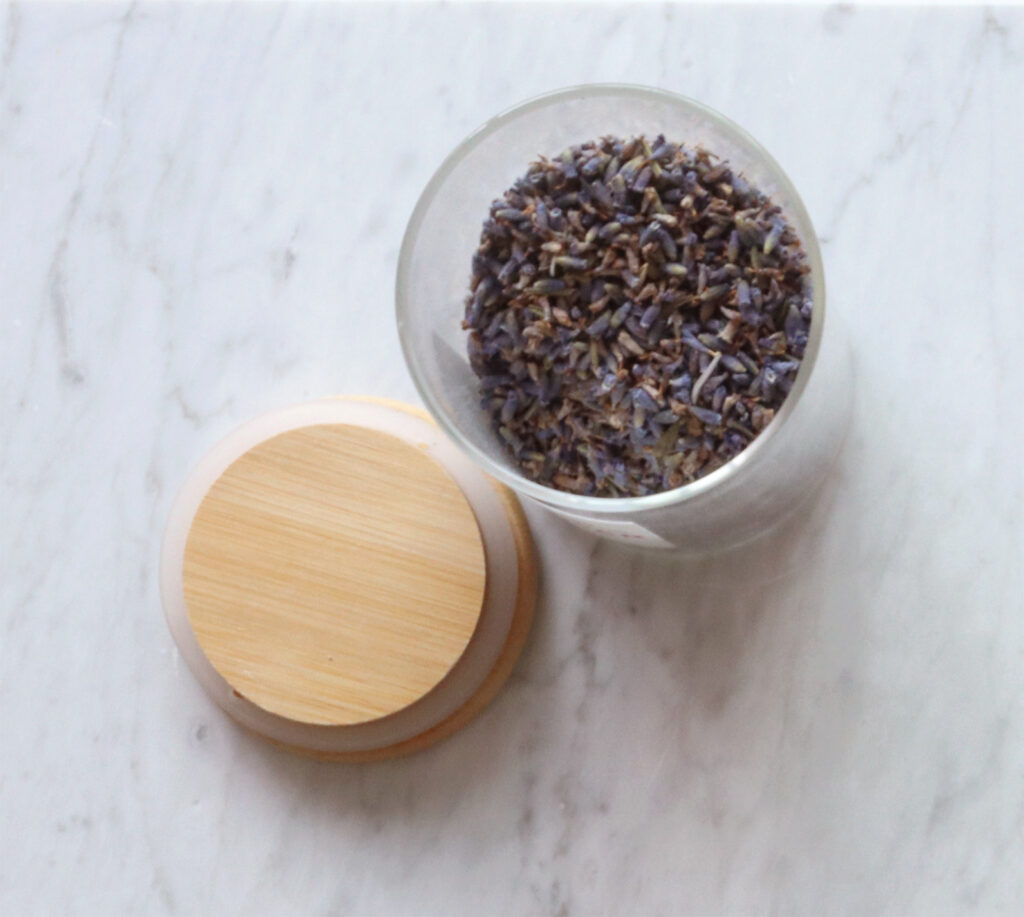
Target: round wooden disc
{"points": [[334, 574]]}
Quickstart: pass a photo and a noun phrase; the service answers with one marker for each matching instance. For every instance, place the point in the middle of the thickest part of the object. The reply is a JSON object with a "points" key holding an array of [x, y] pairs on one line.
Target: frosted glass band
{"points": [[484, 647]]}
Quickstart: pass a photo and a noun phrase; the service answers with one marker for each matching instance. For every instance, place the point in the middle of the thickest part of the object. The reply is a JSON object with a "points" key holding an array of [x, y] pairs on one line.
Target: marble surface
{"points": [[200, 211]]}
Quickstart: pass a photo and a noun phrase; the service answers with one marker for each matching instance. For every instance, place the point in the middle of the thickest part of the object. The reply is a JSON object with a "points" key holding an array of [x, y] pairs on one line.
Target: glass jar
{"points": [[750, 493]]}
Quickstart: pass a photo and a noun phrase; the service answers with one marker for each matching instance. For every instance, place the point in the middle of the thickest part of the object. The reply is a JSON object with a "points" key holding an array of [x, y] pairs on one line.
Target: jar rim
{"points": [[610, 506]]}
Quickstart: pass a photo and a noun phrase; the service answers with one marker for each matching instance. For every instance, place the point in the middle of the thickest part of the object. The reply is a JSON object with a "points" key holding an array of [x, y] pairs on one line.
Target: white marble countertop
{"points": [[200, 211]]}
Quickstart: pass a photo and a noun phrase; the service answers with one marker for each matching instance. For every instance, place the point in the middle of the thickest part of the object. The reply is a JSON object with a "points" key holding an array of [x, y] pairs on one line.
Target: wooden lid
{"points": [[334, 574]]}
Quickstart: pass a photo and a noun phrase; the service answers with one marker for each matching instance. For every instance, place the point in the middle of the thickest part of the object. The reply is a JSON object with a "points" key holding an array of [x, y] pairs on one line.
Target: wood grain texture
{"points": [[526, 602], [334, 574]]}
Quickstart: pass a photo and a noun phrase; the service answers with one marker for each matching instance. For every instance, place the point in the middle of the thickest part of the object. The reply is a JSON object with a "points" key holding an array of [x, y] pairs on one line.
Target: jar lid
{"points": [[343, 581]]}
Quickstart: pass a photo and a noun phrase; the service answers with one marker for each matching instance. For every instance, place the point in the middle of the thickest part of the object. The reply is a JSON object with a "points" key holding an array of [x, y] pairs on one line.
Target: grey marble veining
{"points": [[200, 212]]}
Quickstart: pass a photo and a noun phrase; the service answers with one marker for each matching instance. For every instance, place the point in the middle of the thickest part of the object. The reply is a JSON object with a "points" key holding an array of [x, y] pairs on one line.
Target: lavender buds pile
{"points": [[638, 313]]}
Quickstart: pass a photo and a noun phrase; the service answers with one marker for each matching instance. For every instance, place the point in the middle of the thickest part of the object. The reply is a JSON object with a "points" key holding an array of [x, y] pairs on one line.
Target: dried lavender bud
{"points": [[637, 315]]}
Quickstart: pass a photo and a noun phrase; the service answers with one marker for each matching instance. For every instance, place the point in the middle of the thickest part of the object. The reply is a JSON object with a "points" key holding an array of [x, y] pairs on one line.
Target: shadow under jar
{"points": [[750, 493]]}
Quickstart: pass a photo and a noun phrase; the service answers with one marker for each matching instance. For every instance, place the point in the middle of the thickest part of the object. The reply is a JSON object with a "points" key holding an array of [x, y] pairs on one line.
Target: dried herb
{"points": [[637, 314]]}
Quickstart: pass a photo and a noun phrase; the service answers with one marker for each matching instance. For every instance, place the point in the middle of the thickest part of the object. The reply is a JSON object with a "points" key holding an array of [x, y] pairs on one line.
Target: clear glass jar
{"points": [[744, 497]]}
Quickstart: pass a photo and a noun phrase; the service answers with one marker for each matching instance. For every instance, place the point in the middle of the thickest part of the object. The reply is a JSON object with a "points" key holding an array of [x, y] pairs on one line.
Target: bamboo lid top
{"points": [[334, 574]]}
